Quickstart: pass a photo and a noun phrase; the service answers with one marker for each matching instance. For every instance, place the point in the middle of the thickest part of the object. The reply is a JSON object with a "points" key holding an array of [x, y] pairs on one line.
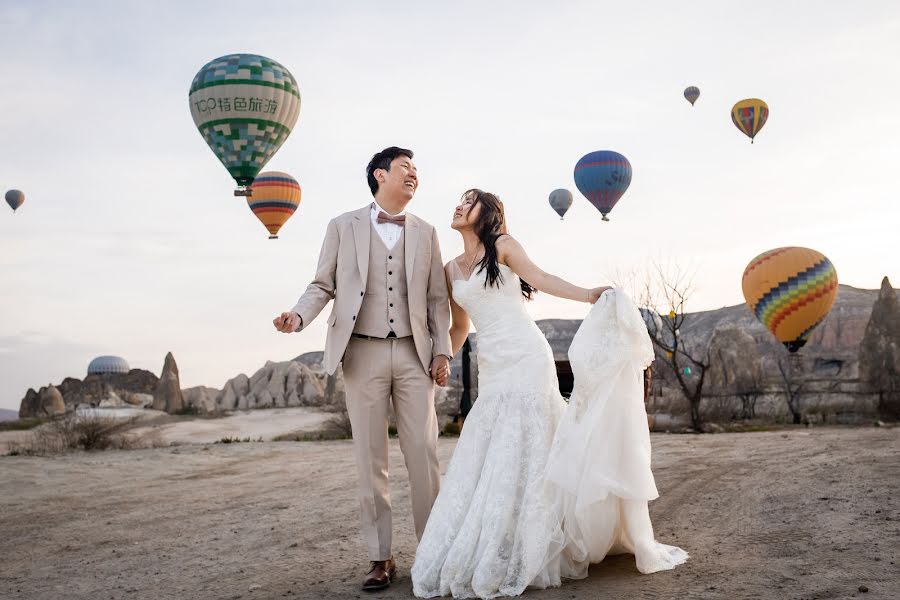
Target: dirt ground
{"points": [[800, 513]]}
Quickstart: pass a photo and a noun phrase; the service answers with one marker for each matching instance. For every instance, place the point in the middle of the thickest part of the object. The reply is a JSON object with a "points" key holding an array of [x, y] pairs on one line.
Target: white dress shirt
{"points": [[388, 232]]}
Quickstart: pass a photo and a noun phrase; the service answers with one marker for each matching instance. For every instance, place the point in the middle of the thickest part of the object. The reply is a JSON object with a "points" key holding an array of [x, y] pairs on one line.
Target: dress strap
{"points": [[455, 271]]}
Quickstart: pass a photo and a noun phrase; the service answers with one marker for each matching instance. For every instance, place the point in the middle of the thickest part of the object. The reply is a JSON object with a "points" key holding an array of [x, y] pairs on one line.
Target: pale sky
{"points": [[131, 243]]}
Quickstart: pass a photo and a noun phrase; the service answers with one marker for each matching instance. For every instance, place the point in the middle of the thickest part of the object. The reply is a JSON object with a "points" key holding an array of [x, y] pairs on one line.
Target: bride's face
{"points": [[466, 214]]}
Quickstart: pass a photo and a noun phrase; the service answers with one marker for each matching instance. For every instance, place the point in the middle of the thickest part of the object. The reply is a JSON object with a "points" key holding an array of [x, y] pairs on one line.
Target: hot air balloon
{"points": [[603, 177], [790, 290], [560, 201], [245, 107], [275, 197], [749, 116], [691, 94], [15, 199]]}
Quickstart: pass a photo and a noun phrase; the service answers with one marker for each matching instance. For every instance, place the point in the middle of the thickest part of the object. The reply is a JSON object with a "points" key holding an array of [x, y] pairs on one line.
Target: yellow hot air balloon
{"points": [[749, 116], [790, 290], [275, 197]]}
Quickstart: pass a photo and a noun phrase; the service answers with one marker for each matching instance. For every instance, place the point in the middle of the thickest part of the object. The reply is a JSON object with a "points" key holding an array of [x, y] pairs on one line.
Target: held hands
{"points": [[287, 322], [440, 370], [594, 294]]}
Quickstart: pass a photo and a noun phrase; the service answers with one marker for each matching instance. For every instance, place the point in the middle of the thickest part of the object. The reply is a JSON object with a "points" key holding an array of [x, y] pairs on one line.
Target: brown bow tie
{"points": [[383, 217]]}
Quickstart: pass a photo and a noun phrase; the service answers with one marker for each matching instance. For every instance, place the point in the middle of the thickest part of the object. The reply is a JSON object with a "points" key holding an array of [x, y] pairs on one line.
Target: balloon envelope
{"points": [[790, 290], [749, 116], [603, 177], [275, 197], [15, 199], [691, 94], [560, 201], [244, 106]]}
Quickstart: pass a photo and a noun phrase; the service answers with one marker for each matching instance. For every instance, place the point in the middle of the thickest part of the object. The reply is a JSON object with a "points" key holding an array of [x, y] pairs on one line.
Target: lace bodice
{"points": [[507, 335]]}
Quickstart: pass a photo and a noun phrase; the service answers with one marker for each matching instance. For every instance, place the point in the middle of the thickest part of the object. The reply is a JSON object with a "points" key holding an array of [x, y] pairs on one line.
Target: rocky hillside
{"points": [[746, 360]]}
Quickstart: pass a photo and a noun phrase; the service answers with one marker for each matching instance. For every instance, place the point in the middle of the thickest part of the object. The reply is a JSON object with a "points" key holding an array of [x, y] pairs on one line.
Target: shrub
{"points": [[80, 432]]}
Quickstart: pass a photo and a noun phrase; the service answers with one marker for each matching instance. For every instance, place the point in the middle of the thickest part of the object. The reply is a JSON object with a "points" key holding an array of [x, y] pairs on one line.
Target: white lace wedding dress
{"points": [[537, 489]]}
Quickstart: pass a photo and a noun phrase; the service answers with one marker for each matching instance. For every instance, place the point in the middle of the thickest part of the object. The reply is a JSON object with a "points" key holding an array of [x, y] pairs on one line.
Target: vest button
{"points": [[362, 293], [390, 272], [354, 317], [390, 289], [390, 258], [392, 320], [391, 305]]}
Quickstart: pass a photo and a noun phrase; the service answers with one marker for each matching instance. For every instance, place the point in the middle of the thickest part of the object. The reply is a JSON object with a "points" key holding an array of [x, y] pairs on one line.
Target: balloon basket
{"points": [[605, 218], [273, 237], [243, 190]]}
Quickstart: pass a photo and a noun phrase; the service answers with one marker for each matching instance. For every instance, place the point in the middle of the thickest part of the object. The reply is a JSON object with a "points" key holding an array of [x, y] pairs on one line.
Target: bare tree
{"points": [[794, 387], [663, 298]]}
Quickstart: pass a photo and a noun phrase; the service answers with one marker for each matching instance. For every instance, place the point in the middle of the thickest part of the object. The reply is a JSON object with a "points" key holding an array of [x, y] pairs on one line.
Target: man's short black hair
{"points": [[382, 160]]}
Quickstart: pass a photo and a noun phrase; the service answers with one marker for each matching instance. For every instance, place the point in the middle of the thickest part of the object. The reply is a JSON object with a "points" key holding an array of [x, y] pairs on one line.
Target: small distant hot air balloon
{"points": [[560, 201], [274, 199], [749, 116], [691, 94], [603, 177], [245, 107], [15, 199], [790, 290]]}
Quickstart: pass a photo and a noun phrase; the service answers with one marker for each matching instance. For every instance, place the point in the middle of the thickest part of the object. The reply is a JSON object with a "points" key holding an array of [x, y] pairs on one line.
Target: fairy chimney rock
{"points": [[168, 396]]}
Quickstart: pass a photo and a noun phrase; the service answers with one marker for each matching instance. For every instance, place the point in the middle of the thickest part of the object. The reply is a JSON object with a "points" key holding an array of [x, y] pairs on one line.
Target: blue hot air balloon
{"points": [[603, 177]]}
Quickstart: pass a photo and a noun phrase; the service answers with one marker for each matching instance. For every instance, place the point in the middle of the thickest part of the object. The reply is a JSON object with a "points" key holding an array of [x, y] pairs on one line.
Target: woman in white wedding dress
{"points": [[537, 489]]}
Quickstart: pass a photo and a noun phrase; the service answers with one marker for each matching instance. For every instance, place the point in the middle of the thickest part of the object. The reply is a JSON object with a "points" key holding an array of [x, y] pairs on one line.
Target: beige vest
{"points": [[385, 307]]}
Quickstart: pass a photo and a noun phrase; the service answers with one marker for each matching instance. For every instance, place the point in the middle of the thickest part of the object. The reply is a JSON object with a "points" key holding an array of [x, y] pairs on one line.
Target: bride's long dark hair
{"points": [[490, 226]]}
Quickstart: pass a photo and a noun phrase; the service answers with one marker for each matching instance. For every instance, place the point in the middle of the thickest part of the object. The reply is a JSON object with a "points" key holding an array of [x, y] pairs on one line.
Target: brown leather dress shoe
{"points": [[380, 575]]}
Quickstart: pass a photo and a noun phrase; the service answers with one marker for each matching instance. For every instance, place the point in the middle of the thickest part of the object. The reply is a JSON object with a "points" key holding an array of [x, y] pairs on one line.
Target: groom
{"points": [[390, 328]]}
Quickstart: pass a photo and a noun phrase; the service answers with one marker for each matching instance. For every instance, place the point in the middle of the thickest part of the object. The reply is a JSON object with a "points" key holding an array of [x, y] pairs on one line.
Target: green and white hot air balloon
{"points": [[245, 107]]}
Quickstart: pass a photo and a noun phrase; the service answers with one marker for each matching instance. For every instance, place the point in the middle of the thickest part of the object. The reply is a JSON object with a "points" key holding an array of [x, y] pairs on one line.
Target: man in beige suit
{"points": [[390, 328]]}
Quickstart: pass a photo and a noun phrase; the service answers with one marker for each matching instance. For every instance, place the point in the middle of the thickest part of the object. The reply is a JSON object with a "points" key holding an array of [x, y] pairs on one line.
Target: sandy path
{"points": [[773, 515], [264, 423]]}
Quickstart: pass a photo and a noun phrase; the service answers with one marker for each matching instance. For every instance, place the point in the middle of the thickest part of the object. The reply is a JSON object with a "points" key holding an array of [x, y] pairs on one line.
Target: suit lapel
{"points": [[362, 230], [412, 243]]}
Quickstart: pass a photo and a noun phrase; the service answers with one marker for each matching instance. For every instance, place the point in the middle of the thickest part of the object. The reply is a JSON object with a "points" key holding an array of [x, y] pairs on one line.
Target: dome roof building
{"points": [[105, 365]]}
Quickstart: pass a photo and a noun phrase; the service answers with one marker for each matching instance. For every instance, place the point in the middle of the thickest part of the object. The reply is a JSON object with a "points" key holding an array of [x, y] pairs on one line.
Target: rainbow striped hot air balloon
{"points": [[749, 116], [245, 107], [603, 176], [691, 94], [275, 197], [790, 290]]}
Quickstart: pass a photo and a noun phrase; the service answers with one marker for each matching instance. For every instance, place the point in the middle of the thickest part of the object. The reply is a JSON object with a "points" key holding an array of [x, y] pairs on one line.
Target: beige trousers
{"points": [[376, 373]]}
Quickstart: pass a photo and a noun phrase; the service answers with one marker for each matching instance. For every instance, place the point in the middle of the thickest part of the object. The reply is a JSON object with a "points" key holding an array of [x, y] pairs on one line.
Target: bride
{"points": [[537, 489]]}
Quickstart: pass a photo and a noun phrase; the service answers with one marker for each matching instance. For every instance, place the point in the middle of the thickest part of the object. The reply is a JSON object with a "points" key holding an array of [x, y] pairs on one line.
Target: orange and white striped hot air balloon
{"points": [[275, 197]]}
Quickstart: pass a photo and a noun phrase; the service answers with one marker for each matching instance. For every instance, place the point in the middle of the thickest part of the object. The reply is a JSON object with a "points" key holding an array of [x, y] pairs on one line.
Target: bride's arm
{"points": [[512, 253], [459, 324]]}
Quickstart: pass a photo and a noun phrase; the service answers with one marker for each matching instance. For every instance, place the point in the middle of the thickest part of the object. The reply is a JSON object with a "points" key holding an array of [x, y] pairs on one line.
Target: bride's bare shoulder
{"points": [[506, 244]]}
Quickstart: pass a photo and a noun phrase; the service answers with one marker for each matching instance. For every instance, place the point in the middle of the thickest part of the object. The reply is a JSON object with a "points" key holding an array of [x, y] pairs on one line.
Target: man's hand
{"points": [[287, 322], [440, 370]]}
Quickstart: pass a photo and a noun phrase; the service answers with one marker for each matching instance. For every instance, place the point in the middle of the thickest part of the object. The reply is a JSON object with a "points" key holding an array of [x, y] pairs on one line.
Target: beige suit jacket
{"points": [[342, 273]]}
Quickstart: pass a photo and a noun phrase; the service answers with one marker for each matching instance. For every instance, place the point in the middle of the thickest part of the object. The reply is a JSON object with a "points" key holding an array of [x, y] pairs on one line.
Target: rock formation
{"points": [[168, 396], [47, 402], [201, 399], [134, 389], [280, 384], [879, 352]]}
